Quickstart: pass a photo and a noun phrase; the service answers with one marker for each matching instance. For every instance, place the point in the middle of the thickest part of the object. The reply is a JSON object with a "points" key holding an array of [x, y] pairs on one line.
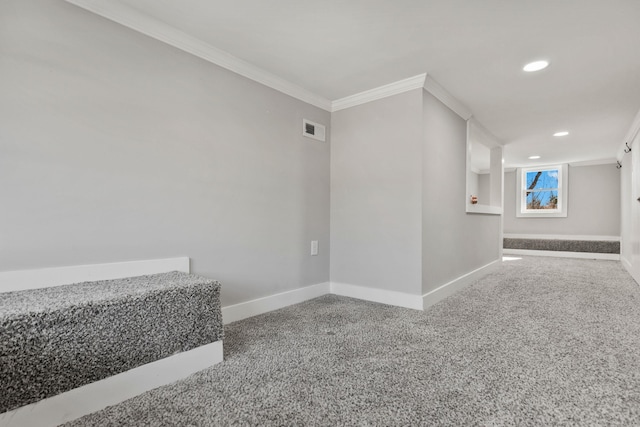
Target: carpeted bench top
{"points": [[60, 297]]}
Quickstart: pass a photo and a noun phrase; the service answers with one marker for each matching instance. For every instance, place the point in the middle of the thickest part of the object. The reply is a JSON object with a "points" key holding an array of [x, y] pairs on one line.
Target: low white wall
{"points": [[46, 277]]}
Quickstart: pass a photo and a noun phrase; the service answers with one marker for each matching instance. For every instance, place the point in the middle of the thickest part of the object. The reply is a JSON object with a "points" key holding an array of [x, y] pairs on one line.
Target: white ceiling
{"points": [[474, 49]]}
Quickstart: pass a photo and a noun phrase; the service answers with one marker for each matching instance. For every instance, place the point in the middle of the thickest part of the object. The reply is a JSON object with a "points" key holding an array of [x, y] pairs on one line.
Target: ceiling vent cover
{"points": [[313, 130]]}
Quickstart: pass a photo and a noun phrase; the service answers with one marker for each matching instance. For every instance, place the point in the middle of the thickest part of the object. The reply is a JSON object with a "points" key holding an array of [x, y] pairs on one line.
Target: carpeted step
{"points": [[59, 338], [590, 246]]}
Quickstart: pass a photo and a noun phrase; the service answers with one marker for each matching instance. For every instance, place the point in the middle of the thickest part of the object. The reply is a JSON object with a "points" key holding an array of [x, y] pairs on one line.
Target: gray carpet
{"points": [[542, 341], [59, 338], [591, 246]]}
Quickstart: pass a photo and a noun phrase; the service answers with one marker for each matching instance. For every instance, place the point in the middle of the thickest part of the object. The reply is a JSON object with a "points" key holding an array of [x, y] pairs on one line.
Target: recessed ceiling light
{"points": [[563, 133], [535, 66], [534, 157]]}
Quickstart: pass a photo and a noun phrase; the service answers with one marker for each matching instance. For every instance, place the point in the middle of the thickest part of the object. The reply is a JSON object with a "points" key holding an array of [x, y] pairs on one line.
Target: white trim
{"points": [[562, 237], [562, 193], [627, 265], [98, 395], [254, 307], [484, 209], [385, 91], [382, 296], [597, 162], [448, 289], [435, 89], [562, 254], [625, 262], [46, 277], [158, 30]]}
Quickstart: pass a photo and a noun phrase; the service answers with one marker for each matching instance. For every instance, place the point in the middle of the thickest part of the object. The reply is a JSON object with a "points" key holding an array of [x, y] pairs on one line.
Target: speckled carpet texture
{"points": [[541, 341], [56, 339], [591, 246]]}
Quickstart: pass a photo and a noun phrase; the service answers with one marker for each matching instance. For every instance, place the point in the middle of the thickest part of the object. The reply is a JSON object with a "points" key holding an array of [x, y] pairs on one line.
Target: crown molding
{"points": [[631, 134], [420, 81], [390, 89], [435, 89], [597, 162], [577, 164], [160, 31]]}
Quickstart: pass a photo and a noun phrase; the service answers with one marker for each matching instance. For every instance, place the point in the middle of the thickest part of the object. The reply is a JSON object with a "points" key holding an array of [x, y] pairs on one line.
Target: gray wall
{"points": [[116, 147], [376, 194], [484, 188], [594, 205], [453, 242]]}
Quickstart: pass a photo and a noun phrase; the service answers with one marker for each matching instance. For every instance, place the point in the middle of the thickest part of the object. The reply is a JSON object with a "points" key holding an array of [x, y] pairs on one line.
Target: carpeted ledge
{"points": [[542, 341], [56, 339], [589, 246]]}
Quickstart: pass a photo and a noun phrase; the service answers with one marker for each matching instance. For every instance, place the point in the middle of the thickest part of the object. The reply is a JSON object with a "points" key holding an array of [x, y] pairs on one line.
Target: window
{"points": [[542, 191]]}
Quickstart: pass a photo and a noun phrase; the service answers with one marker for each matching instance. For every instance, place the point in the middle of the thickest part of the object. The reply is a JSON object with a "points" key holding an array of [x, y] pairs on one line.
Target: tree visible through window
{"points": [[542, 189]]}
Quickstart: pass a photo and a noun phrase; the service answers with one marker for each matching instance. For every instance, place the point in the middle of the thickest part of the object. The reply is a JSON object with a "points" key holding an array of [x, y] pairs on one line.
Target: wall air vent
{"points": [[313, 130]]}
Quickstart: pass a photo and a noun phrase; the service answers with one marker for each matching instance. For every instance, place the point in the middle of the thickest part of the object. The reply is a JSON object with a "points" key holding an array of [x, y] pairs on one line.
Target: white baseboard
{"points": [[98, 395], [254, 307], [627, 265], [383, 296], [562, 254], [448, 289], [46, 277], [562, 237]]}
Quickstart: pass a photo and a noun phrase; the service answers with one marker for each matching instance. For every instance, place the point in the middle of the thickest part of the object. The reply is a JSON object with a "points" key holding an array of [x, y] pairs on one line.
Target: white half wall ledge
{"points": [[450, 288], [98, 395], [46, 277], [243, 310], [562, 254], [382, 296]]}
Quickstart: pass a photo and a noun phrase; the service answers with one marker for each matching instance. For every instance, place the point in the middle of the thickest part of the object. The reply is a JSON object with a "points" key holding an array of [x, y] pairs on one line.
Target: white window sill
{"points": [[541, 214]]}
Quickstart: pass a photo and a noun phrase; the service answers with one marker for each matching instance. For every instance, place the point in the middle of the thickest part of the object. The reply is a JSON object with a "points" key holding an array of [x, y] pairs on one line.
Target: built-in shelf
{"points": [[485, 171], [484, 209]]}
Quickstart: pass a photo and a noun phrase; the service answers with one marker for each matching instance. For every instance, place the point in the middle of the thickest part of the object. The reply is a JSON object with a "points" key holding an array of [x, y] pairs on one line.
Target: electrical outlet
{"points": [[314, 247]]}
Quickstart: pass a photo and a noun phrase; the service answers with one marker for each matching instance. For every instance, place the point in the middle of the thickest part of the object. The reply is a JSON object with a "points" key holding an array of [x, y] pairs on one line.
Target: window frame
{"points": [[560, 211]]}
